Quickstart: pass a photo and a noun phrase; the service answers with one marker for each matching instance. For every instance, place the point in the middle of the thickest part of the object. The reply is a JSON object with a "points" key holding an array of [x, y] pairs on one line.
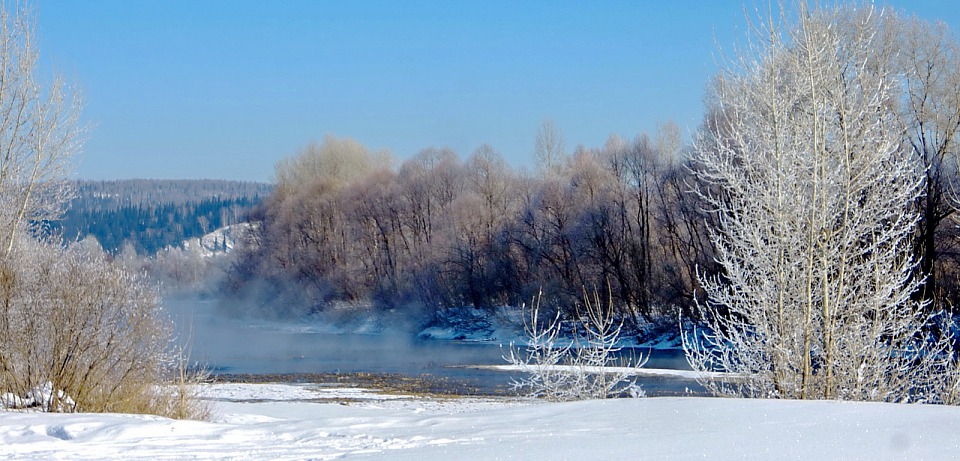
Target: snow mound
{"points": [[39, 397]]}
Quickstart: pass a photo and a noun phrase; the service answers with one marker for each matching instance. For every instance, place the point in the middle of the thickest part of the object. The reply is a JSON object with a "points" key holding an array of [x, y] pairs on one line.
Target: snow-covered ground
{"points": [[628, 371], [302, 421]]}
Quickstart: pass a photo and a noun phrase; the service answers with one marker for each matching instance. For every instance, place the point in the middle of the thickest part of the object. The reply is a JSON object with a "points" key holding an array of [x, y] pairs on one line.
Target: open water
{"points": [[242, 347]]}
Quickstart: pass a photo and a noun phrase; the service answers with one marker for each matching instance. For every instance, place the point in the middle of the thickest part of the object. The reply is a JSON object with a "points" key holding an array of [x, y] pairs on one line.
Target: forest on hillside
{"points": [[150, 215]]}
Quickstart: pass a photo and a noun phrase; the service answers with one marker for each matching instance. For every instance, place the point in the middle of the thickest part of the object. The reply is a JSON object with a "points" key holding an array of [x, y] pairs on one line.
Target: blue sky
{"points": [[224, 89]]}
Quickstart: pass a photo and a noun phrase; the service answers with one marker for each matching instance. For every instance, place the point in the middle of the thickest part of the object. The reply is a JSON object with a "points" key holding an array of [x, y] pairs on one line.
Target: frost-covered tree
{"points": [[39, 130], [549, 149], [813, 201], [333, 162], [928, 64], [584, 367], [86, 325], [77, 331]]}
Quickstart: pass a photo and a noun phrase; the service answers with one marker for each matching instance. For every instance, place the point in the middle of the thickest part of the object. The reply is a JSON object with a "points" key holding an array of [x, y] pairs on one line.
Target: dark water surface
{"points": [[238, 347]]}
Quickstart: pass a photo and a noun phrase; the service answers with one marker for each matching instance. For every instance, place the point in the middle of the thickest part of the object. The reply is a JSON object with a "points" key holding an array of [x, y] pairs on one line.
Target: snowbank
{"points": [[408, 427]]}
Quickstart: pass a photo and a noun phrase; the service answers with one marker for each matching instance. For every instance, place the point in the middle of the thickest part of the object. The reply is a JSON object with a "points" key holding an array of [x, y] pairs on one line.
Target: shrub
{"points": [[91, 329], [585, 366]]}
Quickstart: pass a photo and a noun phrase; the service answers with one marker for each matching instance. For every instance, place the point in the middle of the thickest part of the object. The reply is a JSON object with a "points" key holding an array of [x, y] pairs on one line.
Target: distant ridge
{"points": [[112, 194], [147, 215]]}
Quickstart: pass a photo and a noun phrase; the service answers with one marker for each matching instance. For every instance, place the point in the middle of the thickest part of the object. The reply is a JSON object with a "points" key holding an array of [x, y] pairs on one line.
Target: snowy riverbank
{"points": [[305, 421]]}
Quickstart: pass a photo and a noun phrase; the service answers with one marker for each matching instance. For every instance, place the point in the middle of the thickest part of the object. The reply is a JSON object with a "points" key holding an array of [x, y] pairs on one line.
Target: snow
{"points": [[218, 242], [505, 325], [303, 421], [246, 392], [629, 371], [38, 396], [468, 324]]}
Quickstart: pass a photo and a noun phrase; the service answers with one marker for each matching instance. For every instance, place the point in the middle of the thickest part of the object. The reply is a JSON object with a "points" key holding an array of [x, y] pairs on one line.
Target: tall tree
{"points": [[549, 149], [928, 64], [72, 322], [814, 204], [40, 130]]}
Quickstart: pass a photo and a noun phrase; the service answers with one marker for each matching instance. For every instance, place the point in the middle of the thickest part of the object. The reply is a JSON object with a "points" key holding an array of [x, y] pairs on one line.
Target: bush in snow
{"points": [[583, 367], [91, 329], [77, 331]]}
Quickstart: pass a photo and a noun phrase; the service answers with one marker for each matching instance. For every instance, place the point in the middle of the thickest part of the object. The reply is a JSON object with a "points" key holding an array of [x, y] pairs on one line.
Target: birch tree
{"points": [[40, 130], [813, 199]]}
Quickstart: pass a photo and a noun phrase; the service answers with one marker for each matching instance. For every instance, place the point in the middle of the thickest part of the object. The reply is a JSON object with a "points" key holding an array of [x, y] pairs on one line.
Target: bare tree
{"points": [[928, 65], [540, 238], [40, 130], [77, 331], [478, 217], [549, 150], [814, 205], [489, 177], [429, 182], [305, 248], [683, 237], [631, 217], [377, 216], [669, 143]]}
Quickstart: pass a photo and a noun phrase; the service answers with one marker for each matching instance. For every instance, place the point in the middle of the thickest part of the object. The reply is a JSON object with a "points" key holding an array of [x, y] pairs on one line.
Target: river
{"points": [[244, 347]]}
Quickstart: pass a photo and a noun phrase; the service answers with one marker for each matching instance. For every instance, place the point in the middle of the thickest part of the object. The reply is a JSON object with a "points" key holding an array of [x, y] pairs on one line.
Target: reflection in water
{"points": [[239, 347]]}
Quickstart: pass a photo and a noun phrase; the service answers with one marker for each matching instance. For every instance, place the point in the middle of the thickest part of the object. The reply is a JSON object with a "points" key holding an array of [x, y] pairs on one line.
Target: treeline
{"points": [[149, 215], [344, 225], [115, 194]]}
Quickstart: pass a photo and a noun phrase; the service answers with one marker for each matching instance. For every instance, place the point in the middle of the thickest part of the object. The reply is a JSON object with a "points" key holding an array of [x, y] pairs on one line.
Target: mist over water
{"points": [[247, 346]]}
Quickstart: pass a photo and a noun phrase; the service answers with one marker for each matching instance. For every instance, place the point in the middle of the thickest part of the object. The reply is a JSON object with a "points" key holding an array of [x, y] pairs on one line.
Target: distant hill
{"points": [[151, 214]]}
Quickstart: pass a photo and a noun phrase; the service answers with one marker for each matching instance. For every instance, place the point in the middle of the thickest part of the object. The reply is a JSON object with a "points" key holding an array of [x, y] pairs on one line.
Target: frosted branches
{"points": [[813, 198], [580, 368], [39, 130]]}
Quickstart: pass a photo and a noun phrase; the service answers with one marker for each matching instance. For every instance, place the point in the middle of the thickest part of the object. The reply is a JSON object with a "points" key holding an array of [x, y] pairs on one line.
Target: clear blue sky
{"points": [[223, 89]]}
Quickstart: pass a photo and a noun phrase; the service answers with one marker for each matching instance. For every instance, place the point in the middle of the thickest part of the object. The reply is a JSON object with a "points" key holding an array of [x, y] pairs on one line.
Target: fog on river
{"points": [[248, 346]]}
